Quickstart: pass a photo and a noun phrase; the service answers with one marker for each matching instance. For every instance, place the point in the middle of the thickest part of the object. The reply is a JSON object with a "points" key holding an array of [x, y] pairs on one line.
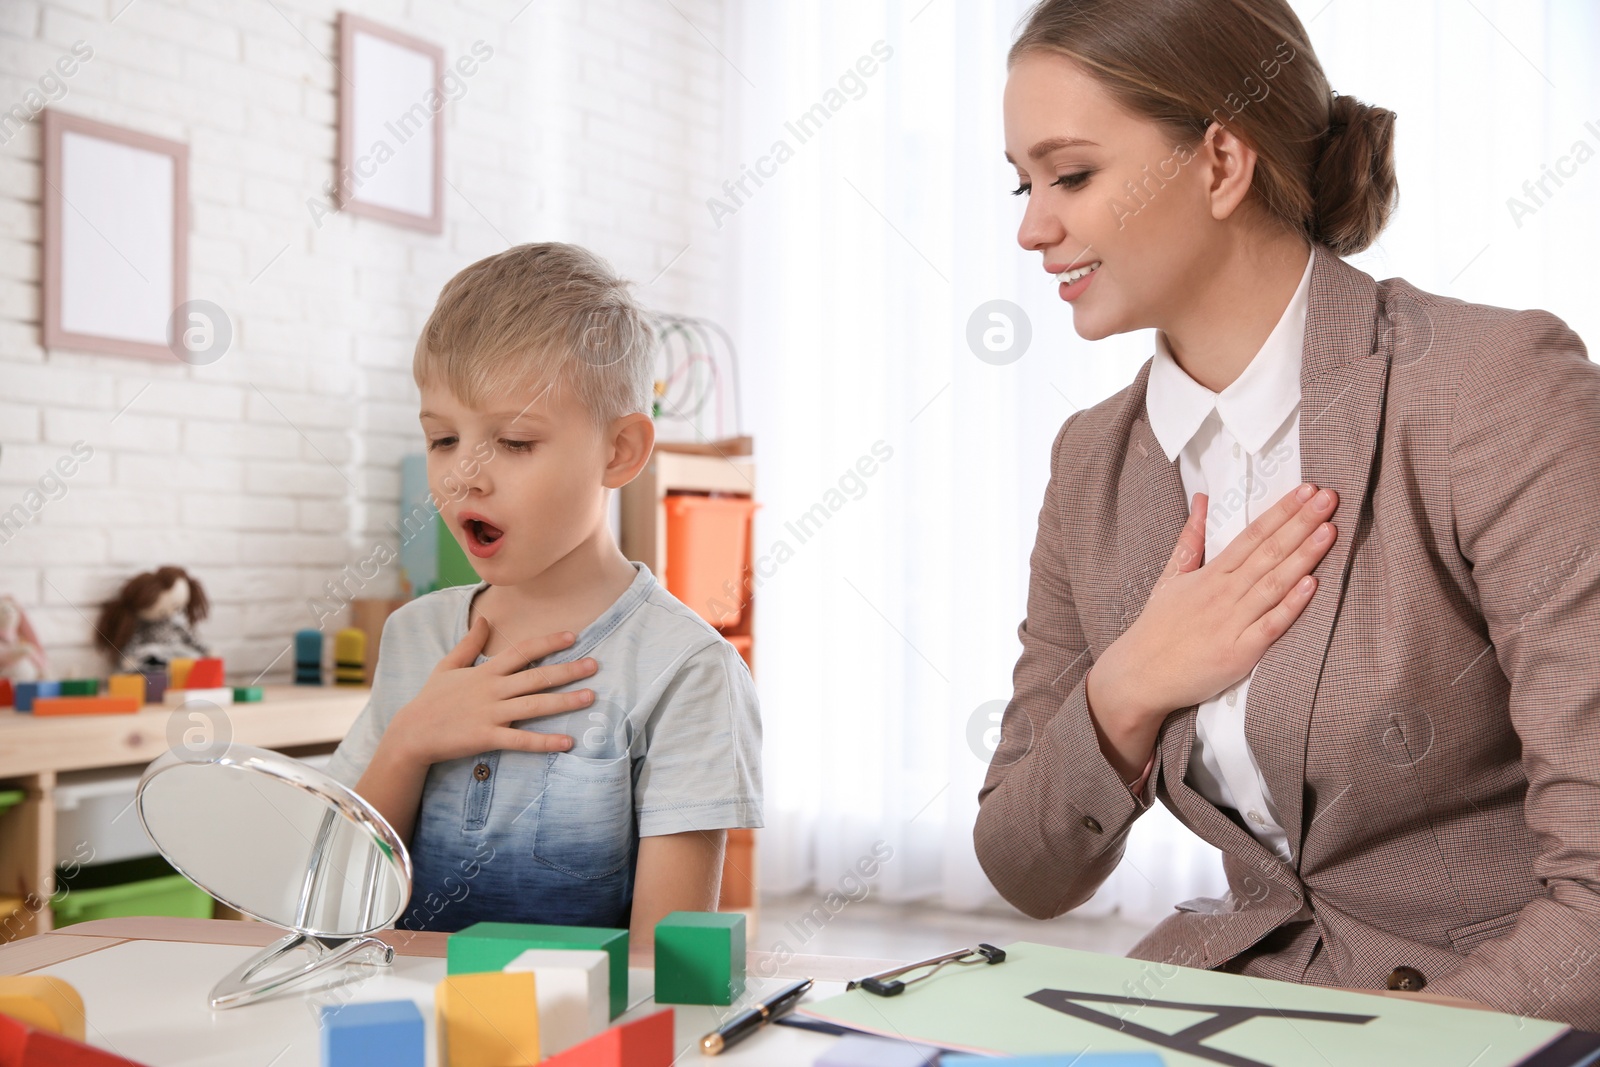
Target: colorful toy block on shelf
{"points": [[8, 696], [247, 694], [308, 657], [178, 670], [80, 687], [27, 692], [1060, 1059], [646, 1042], [861, 1050], [155, 686], [22, 1045], [700, 958], [207, 673], [350, 657], [178, 697], [386, 1033], [574, 998], [490, 946], [126, 685], [489, 1019], [85, 706]]}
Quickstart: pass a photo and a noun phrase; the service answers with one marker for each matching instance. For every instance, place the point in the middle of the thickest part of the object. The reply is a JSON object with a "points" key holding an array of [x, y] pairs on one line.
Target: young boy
{"points": [[564, 742]]}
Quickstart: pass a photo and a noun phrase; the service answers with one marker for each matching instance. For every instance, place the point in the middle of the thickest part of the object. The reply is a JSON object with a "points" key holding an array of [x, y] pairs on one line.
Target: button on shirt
{"points": [[1241, 447]]}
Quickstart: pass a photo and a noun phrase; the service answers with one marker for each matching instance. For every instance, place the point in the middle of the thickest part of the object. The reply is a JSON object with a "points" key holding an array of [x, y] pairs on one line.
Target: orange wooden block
{"points": [[43, 1001], [178, 672], [647, 1042], [205, 674], [85, 705], [126, 685], [487, 1020]]}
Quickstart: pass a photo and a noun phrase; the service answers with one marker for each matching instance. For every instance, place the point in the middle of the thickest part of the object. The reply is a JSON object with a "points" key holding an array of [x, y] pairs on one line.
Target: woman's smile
{"points": [[1075, 282]]}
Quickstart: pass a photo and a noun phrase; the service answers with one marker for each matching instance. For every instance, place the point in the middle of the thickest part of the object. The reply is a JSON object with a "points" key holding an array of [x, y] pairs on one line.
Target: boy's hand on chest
{"points": [[464, 709]]}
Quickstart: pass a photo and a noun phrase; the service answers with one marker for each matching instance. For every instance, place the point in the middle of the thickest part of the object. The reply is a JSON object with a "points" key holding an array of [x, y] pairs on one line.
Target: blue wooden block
{"points": [[1060, 1059], [385, 1033], [308, 657], [859, 1050], [24, 693]]}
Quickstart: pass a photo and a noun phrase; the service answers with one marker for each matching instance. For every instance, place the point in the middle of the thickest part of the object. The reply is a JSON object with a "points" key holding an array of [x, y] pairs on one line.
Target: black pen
{"points": [[747, 1022]]}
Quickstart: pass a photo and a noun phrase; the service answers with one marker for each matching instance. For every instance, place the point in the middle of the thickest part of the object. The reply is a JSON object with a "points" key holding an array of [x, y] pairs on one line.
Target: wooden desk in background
{"points": [[300, 720]]}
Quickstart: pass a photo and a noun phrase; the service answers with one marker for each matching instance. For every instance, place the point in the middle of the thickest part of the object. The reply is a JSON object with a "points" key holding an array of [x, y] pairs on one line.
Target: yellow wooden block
{"points": [[178, 672], [43, 1002], [488, 1020], [126, 685]]}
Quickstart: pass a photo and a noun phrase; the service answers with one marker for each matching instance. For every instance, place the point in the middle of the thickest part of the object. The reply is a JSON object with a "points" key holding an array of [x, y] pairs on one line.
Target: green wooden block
{"points": [[247, 694], [700, 958], [490, 946], [80, 687]]}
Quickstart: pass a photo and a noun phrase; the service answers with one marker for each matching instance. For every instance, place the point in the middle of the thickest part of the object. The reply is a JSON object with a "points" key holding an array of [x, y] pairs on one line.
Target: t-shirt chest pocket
{"points": [[585, 821]]}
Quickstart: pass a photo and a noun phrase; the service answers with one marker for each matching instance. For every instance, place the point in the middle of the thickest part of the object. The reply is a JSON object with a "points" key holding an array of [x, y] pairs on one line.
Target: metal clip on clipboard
{"points": [[887, 984]]}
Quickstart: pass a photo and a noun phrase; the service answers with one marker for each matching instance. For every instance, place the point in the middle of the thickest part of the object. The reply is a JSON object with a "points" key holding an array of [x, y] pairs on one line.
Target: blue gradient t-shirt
{"points": [[671, 743]]}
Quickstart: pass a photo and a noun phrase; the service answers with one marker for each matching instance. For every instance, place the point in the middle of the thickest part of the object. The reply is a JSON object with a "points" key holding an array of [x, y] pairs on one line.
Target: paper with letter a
{"points": [[1044, 999]]}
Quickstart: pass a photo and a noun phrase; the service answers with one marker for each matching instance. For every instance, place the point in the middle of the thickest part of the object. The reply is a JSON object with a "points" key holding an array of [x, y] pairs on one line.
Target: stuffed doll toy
{"points": [[148, 624], [21, 655]]}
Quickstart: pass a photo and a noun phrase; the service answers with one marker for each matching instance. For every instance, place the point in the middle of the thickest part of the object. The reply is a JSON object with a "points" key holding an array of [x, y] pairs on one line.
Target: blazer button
{"points": [[481, 772], [1092, 823], [1407, 978]]}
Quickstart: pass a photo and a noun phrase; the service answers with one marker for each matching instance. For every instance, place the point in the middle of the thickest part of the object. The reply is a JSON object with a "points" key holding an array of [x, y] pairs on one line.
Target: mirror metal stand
{"points": [[243, 985]]}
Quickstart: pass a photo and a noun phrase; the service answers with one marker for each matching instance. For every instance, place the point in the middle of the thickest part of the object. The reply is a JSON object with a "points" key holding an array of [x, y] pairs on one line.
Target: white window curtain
{"points": [[901, 474]]}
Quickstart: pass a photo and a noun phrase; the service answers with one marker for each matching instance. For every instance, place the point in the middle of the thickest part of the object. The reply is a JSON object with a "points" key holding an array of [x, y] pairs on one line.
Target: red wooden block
{"points": [[13, 1032], [205, 674], [24, 1046], [84, 705], [7, 696], [646, 1043]]}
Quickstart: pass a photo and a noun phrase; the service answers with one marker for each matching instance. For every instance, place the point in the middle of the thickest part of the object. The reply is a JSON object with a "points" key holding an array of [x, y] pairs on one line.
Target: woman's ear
{"points": [[630, 441], [1231, 165]]}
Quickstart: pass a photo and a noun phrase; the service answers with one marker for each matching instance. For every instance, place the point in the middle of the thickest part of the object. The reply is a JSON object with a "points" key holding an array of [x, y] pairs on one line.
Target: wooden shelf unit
{"points": [[300, 720], [718, 467]]}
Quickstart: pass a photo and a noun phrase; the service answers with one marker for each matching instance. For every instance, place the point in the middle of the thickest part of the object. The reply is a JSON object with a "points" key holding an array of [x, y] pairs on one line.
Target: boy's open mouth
{"points": [[483, 532]]}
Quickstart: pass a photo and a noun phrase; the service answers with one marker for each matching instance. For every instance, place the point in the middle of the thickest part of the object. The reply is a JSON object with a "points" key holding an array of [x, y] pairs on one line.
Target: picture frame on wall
{"points": [[391, 130], [116, 237]]}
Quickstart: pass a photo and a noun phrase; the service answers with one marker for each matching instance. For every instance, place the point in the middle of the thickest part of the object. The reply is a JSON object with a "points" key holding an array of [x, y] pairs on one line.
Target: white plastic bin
{"points": [[95, 817]]}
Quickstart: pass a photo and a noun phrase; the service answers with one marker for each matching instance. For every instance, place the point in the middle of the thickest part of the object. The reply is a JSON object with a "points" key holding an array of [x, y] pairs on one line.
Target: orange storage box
{"points": [[708, 547]]}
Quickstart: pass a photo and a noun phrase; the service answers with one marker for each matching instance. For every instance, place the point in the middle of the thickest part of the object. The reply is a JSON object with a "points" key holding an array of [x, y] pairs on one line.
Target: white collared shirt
{"points": [[1241, 447]]}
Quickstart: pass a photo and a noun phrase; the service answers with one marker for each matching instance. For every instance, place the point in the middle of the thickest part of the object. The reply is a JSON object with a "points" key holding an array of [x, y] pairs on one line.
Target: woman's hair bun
{"points": [[1353, 186]]}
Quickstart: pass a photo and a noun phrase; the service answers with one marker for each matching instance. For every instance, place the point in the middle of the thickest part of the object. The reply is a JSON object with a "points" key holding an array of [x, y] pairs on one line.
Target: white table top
{"points": [[147, 998]]}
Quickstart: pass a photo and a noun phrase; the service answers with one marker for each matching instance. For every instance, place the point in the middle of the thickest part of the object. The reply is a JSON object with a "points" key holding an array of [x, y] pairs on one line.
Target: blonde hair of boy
{"points": [[549, 315]]}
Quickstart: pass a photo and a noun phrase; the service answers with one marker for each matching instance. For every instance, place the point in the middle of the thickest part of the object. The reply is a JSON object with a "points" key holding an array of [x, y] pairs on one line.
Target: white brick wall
{"points": [[268, 472]]}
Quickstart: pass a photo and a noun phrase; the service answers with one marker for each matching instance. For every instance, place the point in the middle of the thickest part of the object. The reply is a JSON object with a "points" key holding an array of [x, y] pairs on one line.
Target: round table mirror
{"points": [[282, 842]]}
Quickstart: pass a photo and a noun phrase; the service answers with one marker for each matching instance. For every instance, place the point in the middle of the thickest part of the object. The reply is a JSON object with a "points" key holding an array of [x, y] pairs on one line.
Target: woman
{"points": [[1410, 795]]}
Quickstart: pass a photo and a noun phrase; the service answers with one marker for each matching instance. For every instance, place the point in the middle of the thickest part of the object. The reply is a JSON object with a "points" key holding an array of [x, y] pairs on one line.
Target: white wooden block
{"points": [[573, 988], [177, 698]]}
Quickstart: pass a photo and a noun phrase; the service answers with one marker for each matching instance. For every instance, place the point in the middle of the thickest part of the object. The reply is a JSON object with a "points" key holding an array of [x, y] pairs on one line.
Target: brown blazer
{"points": [[1430, 724]]}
